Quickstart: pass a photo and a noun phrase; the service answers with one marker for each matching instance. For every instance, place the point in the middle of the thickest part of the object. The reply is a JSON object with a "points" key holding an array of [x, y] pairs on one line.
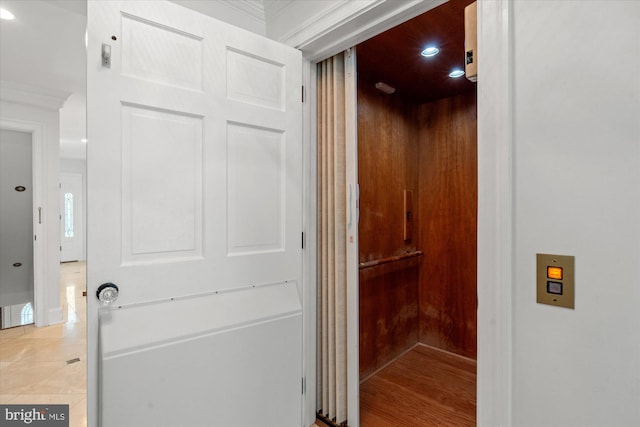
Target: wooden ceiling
{"points": [[394, 58]]}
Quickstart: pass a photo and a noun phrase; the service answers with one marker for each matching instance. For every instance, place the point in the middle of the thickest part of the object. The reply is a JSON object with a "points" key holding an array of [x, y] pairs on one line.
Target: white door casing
{"points": [[71, 238], [195, 212]]}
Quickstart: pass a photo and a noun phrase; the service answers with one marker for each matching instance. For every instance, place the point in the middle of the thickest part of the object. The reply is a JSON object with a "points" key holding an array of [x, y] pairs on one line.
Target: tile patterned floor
{"points": [[33, 361]]}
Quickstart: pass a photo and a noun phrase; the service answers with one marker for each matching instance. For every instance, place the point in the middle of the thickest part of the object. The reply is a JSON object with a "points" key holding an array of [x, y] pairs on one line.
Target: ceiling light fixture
{"points": [[85, 140], [430, 51], [456, 73], [5, 14]]}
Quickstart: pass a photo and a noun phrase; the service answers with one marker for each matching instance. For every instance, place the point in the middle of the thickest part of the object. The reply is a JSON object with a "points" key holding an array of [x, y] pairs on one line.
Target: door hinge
{"points": [[302, 91], [304, 385], [60, 248], [302, 240]]}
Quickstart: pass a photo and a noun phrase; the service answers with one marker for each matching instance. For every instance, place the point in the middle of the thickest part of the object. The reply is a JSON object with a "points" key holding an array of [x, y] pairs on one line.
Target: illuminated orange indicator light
{"points": [[554, 273]]}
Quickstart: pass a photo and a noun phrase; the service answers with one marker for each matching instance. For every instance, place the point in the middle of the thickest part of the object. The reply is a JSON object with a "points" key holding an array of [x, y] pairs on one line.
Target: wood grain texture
{"points": [[394, 56], [387, 166], [425, 387], [390, 259], [388, 313], [448, 223]]}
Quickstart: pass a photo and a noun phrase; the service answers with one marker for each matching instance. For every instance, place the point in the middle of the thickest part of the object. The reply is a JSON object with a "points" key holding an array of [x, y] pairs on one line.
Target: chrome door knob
{"points": [[107, 293]]}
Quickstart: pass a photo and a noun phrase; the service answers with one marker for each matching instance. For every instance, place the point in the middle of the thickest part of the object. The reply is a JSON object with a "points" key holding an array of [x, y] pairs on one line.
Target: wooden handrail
{"points": [[387, 260]]}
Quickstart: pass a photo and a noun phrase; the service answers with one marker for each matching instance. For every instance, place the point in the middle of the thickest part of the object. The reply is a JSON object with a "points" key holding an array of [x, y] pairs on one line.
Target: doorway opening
{"points": [[17, 263], [417, 172]]}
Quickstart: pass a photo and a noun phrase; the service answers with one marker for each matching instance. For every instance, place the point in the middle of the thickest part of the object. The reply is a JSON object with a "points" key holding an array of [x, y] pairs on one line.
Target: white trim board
{"points": [[495, 213], [344, 24], [309, 224]]}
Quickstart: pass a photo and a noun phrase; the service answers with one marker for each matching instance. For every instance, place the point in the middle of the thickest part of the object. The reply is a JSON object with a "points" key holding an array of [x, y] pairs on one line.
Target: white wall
{"points": [[49, 233], [74, 166], [577, 192]]}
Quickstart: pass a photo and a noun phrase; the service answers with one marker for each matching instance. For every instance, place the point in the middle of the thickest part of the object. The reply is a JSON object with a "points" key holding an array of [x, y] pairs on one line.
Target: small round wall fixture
{"points": [[430, 51], [20, 188], [456, 73]]}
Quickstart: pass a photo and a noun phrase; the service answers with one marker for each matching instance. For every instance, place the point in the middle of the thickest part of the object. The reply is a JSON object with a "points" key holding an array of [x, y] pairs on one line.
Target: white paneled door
{"points": [[195, 214]]}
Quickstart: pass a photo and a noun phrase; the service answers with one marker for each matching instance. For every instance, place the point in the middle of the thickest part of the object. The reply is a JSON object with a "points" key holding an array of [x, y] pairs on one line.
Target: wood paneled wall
{"points": [[388, 313], [448, 194], [387, 166], [431, 150]]}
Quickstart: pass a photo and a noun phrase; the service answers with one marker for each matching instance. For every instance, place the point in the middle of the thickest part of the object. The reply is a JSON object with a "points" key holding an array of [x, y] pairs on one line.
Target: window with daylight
{"points": [[68, 215], [26, 315]]}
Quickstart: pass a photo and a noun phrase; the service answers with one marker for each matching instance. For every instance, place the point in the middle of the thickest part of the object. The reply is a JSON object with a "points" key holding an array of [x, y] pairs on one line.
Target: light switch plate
{"points": [[554, 291]]}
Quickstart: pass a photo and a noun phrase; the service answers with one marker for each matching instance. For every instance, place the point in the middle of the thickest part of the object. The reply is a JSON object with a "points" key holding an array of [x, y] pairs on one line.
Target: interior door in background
{"points": [[71, 218], [195, 213]]}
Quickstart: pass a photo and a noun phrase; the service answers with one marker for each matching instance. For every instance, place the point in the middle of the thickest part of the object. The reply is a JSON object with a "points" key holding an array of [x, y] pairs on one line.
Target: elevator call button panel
{"points": [[555, 280]]}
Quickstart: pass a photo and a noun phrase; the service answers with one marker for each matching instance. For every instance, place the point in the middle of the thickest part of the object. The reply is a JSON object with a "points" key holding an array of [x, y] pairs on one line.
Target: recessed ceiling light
{"points": [[5, 14], [456, 73], [430, 51], [84, 140]]}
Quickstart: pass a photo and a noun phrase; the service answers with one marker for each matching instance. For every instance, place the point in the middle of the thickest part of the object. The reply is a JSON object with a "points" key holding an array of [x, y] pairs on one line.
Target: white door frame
{"points": [[309, 254], [36, 129], [495, 246]]}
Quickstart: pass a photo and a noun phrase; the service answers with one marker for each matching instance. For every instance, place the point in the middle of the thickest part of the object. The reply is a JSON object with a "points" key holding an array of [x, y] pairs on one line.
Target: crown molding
{"points": [[347, 23], [46, 98], [254, 8]]}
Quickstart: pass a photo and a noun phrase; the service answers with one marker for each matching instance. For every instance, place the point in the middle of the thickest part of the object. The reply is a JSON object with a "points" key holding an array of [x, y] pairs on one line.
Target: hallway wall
{"points": [[576, 188]]}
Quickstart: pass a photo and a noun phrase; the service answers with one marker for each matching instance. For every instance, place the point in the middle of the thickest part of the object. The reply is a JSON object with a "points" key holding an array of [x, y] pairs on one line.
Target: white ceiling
{"points": [[44, 47]]}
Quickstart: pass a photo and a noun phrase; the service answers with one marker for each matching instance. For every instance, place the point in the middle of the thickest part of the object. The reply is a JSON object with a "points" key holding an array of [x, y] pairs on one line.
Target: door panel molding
{"points": [[195, 202]]}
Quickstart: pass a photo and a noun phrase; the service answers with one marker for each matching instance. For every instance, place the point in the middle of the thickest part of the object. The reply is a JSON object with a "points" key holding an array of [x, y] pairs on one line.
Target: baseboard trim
{"points": [[389, 362], [419, 344], [54, 316], [471, 359]]}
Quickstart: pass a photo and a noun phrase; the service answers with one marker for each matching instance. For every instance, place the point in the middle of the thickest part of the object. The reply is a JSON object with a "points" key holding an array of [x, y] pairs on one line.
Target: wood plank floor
{"points": [[424, 387]]}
